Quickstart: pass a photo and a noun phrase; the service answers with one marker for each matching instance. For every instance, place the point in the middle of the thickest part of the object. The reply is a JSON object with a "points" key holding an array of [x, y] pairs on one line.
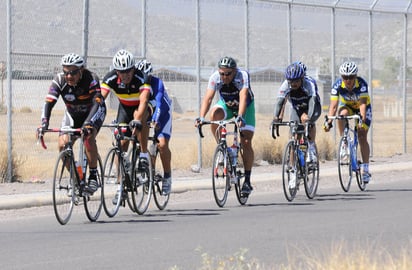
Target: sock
{"points": [[93, 171], [167, 175], [144, 155], [365, 167], [247, 176]]}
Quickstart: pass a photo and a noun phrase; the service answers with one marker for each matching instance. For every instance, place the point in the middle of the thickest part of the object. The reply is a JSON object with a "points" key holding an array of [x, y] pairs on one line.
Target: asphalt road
{"points": [[272, 230]]}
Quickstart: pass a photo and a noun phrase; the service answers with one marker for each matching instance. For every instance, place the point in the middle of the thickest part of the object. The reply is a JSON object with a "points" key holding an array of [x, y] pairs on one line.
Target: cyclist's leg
{"points": [[246, 143], [219, 112], [364, 145], [344, 111]]}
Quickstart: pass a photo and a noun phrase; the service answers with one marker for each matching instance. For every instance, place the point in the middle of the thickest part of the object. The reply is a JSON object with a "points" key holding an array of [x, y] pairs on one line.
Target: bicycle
{"points": [[67, 177], [295, 166], [348, 163], [122, 177], [157, 170], [227, 170]]}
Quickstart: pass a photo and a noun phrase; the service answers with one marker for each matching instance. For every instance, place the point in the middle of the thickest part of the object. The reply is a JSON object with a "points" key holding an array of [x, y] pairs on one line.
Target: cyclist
{"points": [[235, 99], [349, 96], [162, 122], [133, 93], [301, 91], [85, 107]]}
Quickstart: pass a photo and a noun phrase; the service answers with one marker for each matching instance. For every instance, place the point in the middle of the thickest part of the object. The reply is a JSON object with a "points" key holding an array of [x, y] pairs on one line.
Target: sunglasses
{"points": [[125, 71], [294, 81], [71, 72], [351, 77], [225, 73]]}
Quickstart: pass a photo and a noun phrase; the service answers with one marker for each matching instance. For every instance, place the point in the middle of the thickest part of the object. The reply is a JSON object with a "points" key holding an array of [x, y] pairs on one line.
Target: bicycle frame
{"points": [[294, 160], [350, 137], [67, 187], [226, 169]]}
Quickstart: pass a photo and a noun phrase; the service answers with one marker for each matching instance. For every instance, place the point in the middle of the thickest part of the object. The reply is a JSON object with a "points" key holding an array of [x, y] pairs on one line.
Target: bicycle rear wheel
{"points": [[312, 176], [220, 175], [93, 203], [113, 181], [240, 174], [344, 164], [289, 170], [65, 191], [160, 200], [142, 187]]}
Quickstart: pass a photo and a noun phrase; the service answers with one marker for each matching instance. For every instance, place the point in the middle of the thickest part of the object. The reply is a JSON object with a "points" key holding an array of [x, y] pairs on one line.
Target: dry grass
{"points": [[36, 164], [340, 256]]}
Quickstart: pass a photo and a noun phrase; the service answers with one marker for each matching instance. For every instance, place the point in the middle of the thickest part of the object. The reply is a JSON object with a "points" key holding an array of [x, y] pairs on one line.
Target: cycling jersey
{"points": [[84, 102], [128, 94], [352, 98], [163, 109], [229, 94], [303, 100]]}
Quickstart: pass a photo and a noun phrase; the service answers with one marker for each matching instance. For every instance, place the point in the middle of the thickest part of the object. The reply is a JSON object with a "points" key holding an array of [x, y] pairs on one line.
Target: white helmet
{"points": [[348, 69], [123, 60], [72, 59], [144, 66]]}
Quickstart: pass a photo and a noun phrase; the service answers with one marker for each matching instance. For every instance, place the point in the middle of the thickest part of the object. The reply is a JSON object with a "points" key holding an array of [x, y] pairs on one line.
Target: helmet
{"points": [[72, 59], [348, 68], [144, 66], [227, 62], [294, 71], [301, 64], [123, 60]]}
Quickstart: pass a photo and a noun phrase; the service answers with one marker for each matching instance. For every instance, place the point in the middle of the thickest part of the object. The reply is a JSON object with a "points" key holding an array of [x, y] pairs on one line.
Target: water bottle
{"points": [[126, 162], [79, 170], [301, 155], [152, 149], [233, 154]]}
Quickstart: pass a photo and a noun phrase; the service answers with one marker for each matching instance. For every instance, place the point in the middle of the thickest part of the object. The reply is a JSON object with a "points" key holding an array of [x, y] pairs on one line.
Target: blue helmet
{"points": [[294, 71]]}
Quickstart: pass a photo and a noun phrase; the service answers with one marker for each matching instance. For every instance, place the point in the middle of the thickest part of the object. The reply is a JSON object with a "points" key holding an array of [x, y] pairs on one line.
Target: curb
{"points": [[182, 185]]}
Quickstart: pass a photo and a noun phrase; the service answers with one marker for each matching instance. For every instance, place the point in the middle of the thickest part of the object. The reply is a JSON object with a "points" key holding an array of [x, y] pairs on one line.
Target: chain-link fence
{"points": [[184, 40]]}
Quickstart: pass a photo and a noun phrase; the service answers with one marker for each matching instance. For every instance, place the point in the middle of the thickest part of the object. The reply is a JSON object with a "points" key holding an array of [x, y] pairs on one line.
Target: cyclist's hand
{"points": [[327, 125], [135, 124], [276, 120], [363, 126], [240, 121], [44, 125], [199, 121], [87, 129]]}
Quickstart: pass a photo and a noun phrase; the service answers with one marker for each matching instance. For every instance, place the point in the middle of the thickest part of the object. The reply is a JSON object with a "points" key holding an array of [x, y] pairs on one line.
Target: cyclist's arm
{"points": [[207, 100], [362, 108], [51, 100], [105, 90], [333, 107], [243, 95], [143, 103], [279, 105]]}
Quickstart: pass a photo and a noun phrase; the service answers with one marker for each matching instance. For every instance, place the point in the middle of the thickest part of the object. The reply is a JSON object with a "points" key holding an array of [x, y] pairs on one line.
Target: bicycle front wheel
{"points": [[344, 164], [93, 203], [240, 174], [113, 180], [220, 175], [142, 187], [312, 176], [65, 191], [361, 184], [160, 199], [289, 172]]}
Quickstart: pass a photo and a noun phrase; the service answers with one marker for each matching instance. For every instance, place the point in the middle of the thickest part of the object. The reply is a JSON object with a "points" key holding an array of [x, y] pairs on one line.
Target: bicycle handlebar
{"points": [[344, 117], [64, 130], [275, 127], [216, 122]]}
